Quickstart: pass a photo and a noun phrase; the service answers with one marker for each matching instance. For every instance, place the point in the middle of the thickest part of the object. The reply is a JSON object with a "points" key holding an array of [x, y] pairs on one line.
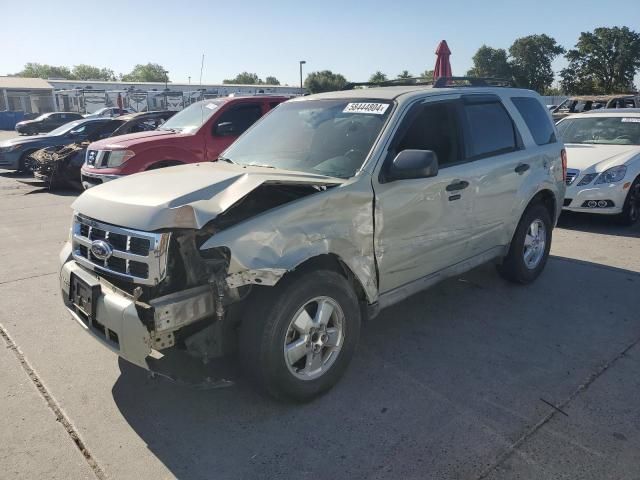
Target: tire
{"points": [[164, 164], [323, 352], [631, 209], [524, 263]]}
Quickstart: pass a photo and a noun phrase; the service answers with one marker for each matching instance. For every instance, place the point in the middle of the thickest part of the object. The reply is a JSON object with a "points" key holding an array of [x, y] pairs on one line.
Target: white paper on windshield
{"points": [[631, 120], [375, 108], [211, 106]]}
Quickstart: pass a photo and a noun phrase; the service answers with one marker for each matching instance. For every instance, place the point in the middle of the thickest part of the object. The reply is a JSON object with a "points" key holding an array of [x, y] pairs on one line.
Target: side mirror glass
{"points": [[411, 164], [225, 128]]}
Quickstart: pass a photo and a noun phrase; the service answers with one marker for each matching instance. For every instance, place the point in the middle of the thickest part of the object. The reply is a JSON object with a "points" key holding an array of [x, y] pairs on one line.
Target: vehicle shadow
{"points": [[599, 224], [440, 387]]}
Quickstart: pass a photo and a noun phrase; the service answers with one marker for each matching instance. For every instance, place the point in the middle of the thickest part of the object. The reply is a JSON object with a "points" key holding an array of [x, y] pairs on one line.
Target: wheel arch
{"points": [[548, 199]]}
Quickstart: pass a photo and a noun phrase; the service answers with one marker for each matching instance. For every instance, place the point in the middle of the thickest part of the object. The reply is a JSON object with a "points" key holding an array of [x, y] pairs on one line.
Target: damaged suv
{"points": [[329, 209]]}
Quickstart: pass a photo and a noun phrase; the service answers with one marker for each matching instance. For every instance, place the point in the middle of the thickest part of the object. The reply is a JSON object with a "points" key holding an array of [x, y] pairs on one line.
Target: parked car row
{"points": [[277, 244]]}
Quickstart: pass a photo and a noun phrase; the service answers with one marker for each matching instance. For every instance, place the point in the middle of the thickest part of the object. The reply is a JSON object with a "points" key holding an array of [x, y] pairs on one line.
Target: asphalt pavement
{"points": [[475, 378]]}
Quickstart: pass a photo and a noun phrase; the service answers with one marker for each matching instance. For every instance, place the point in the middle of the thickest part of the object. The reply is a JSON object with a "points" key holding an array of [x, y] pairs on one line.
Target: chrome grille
{"points": [[140, 257], [572, 174]]}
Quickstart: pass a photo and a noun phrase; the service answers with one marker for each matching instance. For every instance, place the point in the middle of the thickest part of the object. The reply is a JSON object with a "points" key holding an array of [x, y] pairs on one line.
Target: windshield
{"points": [[43, 116], [64, 128], [192, 117], [326, 137], [100, 111], [601, 130]]}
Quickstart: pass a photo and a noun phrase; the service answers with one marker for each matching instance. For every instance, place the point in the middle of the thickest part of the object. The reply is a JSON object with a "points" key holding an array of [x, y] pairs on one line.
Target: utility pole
{"points": [[302, 62]]}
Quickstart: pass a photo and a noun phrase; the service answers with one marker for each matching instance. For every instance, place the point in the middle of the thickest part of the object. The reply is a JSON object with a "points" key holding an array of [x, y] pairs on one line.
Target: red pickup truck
{"points": [[198, 133]]}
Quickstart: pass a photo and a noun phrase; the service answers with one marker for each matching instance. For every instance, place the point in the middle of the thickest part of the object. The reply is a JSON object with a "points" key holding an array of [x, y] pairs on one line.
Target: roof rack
{"points": [[390, 83], [442, 82]]}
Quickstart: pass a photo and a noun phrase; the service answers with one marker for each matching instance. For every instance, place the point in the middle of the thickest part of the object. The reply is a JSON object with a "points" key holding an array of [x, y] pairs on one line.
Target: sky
{"points": [[351, 37]]}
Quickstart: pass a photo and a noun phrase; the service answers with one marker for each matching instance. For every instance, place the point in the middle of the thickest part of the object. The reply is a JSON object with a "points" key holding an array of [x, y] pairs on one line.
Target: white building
{"points": [[34, 95]]}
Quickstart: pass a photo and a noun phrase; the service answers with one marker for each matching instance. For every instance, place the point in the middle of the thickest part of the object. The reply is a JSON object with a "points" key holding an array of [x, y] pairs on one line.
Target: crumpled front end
{"points": [[58, 166]]}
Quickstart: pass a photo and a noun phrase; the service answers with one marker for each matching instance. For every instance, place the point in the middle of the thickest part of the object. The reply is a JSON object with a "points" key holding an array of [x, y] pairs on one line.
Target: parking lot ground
{"points": [[475, 378]]}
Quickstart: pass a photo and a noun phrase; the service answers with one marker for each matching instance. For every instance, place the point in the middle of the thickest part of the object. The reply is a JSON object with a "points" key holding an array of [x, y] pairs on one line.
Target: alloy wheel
{"points": [[535, 243]]}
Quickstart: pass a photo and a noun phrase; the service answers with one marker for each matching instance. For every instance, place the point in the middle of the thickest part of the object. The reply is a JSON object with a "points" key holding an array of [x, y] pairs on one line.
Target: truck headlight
{"points": [[118, 157], [612, 175]]}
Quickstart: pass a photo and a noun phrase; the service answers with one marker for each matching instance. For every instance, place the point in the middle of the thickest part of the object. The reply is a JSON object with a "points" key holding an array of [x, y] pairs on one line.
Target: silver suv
{"points": [[331, 208]]}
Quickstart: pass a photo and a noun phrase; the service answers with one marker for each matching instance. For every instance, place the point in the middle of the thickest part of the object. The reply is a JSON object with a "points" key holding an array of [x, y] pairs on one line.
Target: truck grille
{"points": [[572, 174], [139, 257]]}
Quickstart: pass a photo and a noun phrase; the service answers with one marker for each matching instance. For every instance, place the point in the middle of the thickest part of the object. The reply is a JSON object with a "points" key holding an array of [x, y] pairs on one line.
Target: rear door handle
{"points": [[457, 185], [520, 169]]}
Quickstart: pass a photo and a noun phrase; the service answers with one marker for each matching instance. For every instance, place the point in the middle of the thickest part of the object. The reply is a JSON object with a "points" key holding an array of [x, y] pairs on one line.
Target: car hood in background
{"points": [[32, 140], [185, 196], [125, 141], [584, 156]]}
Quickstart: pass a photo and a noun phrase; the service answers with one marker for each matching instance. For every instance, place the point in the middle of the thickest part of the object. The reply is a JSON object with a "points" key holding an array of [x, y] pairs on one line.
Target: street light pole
{"points": [[302, 62]]}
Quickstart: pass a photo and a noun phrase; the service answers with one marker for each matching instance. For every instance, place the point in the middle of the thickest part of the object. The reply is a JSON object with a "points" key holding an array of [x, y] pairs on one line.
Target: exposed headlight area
{"points": [[587, 179], [612, 175], [118, 157]]}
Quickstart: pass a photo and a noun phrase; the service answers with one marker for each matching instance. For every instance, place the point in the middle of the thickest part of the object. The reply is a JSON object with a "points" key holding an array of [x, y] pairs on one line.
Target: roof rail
{"points": [[390, 83], [444, 82], [441, 82]]}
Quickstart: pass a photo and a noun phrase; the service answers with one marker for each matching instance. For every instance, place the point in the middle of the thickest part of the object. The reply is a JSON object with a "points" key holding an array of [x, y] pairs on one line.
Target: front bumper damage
{"points": [[144, 334]]}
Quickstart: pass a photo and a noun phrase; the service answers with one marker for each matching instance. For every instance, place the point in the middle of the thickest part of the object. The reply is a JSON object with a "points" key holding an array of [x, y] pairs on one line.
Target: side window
{"points": [[536, 118], [242, 117], [491, 130], [434, 128]]}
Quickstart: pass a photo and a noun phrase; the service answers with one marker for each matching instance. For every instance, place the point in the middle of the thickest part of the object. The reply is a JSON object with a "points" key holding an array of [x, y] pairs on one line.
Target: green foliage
{"points": [[271, 81], [531, 59], [490, 62], [378, 77], [40, 70], [405, 74], [245, 78], [151, 72], [88, 72], [427, 74], [603, 61], [324, 81]]}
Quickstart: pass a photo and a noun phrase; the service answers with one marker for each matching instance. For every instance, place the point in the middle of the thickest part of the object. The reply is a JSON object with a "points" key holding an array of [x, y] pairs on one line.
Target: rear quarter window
{"points": [[491, 129], [536, 118]]}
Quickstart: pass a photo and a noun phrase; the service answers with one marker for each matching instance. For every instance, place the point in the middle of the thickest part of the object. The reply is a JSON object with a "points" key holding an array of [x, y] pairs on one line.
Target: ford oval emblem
{"points": [[101, 249]]}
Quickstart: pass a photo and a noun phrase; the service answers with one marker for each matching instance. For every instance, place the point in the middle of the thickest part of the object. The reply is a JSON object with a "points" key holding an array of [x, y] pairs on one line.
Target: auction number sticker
{"points": [[375, 108], [631, 120]]}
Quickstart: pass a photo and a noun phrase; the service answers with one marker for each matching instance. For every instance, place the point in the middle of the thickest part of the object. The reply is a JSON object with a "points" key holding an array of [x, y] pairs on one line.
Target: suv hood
{"points": [[131, 139], [601, 157], [185, 196]]}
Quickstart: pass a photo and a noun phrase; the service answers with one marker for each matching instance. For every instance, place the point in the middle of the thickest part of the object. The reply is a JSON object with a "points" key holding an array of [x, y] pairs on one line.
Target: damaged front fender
{"points": [[337, 222]]}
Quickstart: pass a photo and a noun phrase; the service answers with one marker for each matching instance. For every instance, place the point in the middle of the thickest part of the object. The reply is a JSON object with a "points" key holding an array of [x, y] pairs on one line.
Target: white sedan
{"points": [[603, 163]]}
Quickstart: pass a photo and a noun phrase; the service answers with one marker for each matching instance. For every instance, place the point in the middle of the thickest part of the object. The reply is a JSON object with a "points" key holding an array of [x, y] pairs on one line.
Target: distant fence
{"points": [[554, 100]]}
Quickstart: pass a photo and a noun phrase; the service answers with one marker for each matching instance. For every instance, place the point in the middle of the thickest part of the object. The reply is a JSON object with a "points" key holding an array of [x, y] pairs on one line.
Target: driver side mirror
{"points": [[412, 164], [225, 129]]}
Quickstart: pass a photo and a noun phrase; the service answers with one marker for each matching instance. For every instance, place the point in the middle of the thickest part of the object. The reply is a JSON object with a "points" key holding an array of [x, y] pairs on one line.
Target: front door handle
{"points": [[520, 169], [457, 185]]}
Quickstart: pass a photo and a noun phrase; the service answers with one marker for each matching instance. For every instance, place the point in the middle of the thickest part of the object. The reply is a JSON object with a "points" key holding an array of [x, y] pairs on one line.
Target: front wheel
{"points": [[529, 249], [631, 209], [299, 337]]}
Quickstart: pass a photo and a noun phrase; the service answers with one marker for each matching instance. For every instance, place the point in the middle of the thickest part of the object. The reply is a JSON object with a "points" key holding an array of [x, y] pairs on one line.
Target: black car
{"points": [[60, 165], [46, 122]]}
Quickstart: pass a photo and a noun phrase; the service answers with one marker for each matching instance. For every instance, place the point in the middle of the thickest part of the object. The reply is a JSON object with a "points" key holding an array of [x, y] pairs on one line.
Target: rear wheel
{"points": [[299, 337], [529, 249], [631, 209]]}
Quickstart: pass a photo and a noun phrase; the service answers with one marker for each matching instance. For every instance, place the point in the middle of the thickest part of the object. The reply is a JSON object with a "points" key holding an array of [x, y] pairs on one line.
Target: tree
{"points": [[405, 74], [603, 61], [427, 74], [324, 81], [490, 62], [378, 77], [40, 70], [271, 81], [88, 72], [245, 78], [531, 59], [151, 72]]}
